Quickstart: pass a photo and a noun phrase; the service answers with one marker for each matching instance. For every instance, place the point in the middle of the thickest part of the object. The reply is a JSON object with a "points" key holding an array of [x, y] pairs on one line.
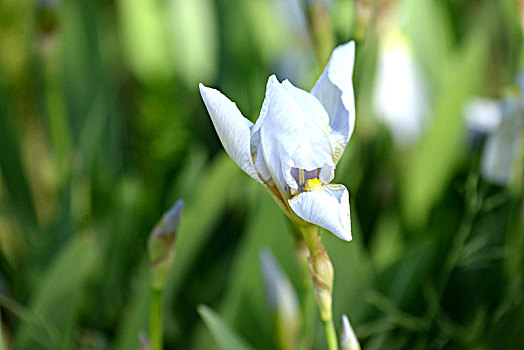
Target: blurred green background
{"points": [[102, 128]]}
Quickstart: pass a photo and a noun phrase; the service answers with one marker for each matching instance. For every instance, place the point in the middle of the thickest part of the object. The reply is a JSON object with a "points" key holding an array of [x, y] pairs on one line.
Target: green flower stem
{"points": [[331, 335], [161, 258], [308, 312], [302, 258], [156, 329], [307, 293], [322, 273]]}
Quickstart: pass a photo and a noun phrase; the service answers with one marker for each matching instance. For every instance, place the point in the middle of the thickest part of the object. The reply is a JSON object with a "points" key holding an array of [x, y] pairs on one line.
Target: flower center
{"points": [[302, 176], [313, 185]]}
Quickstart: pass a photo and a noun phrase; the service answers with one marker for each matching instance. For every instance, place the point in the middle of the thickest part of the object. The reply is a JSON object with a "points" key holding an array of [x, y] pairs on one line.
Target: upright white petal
{"points": [[290, 140], [232, 128], [334, 89], [309, 104], [256, 148], [348, 339], [327, 207]]}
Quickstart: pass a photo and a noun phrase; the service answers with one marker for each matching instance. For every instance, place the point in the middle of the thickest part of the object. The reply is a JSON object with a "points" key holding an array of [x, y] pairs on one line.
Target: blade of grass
{"points": [[58, 299], [225, 337], [11, 164]]}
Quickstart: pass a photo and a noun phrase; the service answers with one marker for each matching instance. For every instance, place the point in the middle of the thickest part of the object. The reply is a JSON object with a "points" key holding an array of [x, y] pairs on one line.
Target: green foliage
{"points": [[438, 153], [57, 301], [102, 129], [223, 335]]}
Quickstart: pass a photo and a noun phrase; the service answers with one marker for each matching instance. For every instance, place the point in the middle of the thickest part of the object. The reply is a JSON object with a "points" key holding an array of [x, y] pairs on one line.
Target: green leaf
{"points": [[203, 209], [135, 314], [429, 28], [145, 39], [57, 302], [200, 215], [387, 244], [243, 304], [225, 337], [443, 146], [11, 165], [352, 263], [193, 36], [401, 282]]}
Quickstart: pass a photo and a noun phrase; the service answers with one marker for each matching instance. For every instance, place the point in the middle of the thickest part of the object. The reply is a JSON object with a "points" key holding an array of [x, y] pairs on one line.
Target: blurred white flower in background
{"points": [[401, 92], [294, 60], [500, 123], [503, 144], [282, 300], [483, 115], [293, 14]]}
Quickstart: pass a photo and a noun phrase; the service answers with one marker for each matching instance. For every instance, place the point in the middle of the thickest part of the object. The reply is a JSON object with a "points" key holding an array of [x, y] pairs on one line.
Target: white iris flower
{"points": [[295, 144]]}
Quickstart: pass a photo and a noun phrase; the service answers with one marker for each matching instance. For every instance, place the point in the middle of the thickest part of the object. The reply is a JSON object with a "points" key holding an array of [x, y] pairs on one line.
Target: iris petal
{"points": [[327, 207], [334, 89], [291, 140], [256, 150], [232, 128], [309, 104]]}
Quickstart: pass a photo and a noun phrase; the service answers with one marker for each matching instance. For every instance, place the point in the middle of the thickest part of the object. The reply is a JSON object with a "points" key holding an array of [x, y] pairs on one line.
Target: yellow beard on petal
{"points": [[313, 185]]}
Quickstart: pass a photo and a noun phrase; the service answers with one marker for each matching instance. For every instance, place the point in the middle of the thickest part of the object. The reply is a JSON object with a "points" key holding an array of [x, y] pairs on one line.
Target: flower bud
{"points": [[282, 300], [161, 253], [323, 273], [348, 339], [302, 257], [321, 270]]}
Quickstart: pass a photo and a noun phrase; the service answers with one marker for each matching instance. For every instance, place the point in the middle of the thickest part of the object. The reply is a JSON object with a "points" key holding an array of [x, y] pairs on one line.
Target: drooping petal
{"points": [[290, 140], [334, 89], [327, 207], [232, 128]]}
